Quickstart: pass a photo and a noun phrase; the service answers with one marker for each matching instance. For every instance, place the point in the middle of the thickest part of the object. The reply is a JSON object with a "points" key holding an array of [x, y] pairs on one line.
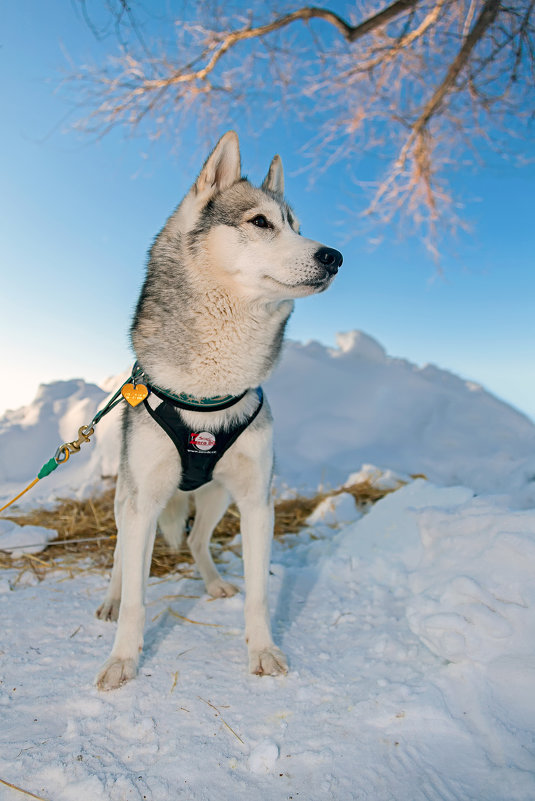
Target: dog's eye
{"points": [[261, 222]]}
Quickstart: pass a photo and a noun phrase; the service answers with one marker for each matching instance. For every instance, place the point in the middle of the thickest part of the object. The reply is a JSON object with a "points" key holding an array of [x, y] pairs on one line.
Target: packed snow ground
{"points": [[409, 630], [409, 635]]}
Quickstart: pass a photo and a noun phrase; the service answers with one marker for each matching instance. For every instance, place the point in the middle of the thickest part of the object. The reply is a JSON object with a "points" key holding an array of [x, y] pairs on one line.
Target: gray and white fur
{"points": [[221, 282]]}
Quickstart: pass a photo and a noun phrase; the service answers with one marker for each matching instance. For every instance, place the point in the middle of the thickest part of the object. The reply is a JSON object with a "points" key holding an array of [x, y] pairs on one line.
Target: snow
{"points": [[334, 510], [263, 757], [382, 478], [409, 635], [409, 629]]}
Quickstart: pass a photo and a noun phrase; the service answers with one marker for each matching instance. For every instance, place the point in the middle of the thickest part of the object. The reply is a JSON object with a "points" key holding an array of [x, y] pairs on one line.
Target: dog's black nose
{"points": [[329, 258]]}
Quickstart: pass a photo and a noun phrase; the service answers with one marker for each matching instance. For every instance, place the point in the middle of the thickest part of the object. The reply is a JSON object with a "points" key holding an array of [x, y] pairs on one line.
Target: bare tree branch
{"points": [[351, 33], [486, 17]]}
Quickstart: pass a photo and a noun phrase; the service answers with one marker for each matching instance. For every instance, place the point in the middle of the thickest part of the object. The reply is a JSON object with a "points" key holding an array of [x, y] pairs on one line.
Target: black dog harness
{"points": [[199, 451]]}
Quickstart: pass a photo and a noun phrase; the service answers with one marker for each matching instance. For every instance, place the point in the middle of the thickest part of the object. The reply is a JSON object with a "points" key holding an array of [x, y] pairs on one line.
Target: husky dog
{"points": [[221, 279]]}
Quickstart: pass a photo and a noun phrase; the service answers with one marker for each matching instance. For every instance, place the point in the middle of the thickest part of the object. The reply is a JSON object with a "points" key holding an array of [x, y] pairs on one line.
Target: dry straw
{"points": [[87, 534]]}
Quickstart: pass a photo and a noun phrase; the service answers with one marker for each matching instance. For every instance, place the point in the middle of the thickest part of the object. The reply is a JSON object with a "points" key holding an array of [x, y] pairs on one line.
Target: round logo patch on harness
{"points": [[203, 441]]}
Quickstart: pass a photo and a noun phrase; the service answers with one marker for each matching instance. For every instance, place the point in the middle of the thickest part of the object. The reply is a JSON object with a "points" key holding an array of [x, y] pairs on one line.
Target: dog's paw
{"points": [[221, 589], [268, 662], [115, 672], [109, 610]]}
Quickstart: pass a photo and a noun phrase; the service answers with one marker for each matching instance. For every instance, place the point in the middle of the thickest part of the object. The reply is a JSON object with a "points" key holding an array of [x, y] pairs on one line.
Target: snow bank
{"points": [[464, 568], [467, 563], [334, 409]]}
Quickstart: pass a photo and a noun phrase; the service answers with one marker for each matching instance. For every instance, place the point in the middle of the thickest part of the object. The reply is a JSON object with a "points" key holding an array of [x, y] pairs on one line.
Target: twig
{"points": [[34, 558], [20, 789], [223, 721], [188, 620], [62, 542], [169, 597]]}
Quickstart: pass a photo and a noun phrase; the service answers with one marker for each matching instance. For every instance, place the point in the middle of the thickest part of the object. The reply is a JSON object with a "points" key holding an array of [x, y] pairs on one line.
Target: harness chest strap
{"points": [[199, 451]]}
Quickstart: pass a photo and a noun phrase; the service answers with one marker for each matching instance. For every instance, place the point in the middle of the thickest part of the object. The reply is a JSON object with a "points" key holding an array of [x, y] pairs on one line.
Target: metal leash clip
{"points": [[65, 450]]}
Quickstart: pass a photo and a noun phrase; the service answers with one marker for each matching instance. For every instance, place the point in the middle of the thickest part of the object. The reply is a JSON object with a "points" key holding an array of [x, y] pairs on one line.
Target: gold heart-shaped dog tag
{"points": [[134, 394]]}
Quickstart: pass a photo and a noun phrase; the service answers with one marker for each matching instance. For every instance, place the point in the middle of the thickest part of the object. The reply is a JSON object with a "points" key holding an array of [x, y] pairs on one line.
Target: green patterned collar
{"points": [[184, 400]]}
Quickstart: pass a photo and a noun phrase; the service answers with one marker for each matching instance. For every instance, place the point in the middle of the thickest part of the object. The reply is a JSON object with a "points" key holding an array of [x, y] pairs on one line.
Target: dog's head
{"points": [[249, 235]]}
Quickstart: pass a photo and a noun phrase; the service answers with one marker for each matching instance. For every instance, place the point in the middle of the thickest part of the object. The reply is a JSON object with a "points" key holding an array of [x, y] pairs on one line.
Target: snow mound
{"points": [[463, 567], [334, 510], [360, 346], [467, 563], [474, 598], [337, 409], [263, 757]]}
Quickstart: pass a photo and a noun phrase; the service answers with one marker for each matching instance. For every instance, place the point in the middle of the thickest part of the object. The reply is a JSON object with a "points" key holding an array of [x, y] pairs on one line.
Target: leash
{"points": [[84, 433]]}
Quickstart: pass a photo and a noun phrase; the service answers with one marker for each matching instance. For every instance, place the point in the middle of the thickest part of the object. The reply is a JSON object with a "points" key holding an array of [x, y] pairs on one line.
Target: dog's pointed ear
{"points": [[222, 168], [274, 180]]}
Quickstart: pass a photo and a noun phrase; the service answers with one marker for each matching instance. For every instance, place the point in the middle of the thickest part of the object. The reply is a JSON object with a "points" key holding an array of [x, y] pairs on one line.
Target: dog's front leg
{"points": [[257, 532], [137, 531], [109, 609]]}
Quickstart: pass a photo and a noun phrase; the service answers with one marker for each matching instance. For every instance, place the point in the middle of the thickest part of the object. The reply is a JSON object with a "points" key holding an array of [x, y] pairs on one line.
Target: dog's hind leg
{"points": [[211, 501], [173, 518]]}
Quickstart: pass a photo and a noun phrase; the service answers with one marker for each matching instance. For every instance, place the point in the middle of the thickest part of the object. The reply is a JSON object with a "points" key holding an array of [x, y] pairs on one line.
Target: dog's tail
{"points": [[173, 518]]}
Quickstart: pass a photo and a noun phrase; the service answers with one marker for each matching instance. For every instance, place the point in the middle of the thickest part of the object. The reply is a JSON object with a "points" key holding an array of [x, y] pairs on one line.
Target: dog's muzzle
{"points": [[330, 259]]}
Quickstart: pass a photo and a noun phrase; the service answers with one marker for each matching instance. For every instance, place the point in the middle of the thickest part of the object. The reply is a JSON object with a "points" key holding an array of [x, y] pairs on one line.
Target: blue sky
{"points": [[78, 215]]}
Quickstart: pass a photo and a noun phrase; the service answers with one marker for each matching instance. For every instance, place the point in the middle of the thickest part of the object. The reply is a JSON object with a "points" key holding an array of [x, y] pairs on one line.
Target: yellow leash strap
{"points": [[34, 482], [62, 454]]}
